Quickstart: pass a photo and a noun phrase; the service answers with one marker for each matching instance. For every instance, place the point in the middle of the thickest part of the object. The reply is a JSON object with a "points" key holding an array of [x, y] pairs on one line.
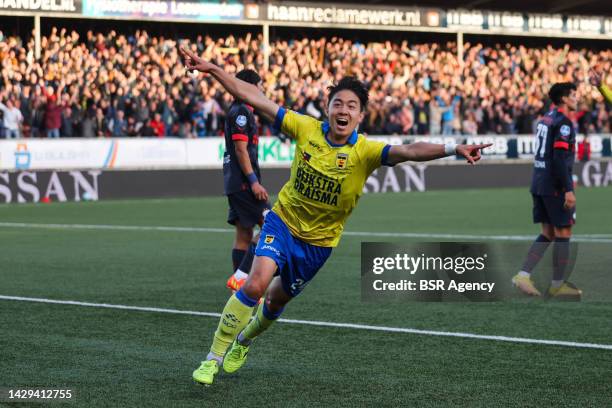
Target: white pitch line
{"points": [[113, 227], [596, 238], [325, 324]]}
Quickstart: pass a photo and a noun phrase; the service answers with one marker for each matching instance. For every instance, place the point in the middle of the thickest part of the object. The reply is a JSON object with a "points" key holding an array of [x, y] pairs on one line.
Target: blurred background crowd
{"points": [[134, 85]]}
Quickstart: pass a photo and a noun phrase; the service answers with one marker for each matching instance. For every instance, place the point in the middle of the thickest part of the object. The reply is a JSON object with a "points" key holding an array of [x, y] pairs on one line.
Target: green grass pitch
{"points": [[137, 359]]}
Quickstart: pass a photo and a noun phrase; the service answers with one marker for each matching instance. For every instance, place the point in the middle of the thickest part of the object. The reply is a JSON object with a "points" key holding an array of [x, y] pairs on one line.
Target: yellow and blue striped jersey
{"points": [[326, 179]]}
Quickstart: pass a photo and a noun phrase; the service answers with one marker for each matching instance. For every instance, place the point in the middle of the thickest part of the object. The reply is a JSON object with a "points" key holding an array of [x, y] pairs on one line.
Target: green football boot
{"points": [[205, 374], [235, 357]]}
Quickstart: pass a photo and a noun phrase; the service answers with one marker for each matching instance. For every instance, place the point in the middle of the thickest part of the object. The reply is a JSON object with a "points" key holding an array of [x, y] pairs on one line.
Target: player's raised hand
{"points": [[594, 78], [195, 63], [471, 152]]}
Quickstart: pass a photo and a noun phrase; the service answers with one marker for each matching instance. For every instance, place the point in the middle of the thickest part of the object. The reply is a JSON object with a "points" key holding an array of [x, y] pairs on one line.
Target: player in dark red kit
{"points": [[552, 189], [248, 199]]}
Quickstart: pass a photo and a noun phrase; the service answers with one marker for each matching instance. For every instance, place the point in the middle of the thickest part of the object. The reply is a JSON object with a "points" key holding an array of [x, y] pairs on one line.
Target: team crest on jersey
{"points": [[241, 120], [269, 239], [341, 159], [306, 156]]}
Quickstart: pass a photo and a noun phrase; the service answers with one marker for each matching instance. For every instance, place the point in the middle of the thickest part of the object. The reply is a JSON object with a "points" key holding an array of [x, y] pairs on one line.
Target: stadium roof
{"points": [[582, 7]]}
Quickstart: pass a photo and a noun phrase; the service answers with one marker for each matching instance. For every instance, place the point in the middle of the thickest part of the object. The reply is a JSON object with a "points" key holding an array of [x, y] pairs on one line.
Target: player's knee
{"points": [[548, 231], [274, 304], [549, 235], [246, 232], [565, 232], [254, 288], [277, 298], [243, 235]]}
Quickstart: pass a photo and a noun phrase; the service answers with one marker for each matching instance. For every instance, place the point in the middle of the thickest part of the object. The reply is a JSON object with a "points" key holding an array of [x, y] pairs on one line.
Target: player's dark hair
{"points": [[559, 90], [250, 76], [352, 84]]}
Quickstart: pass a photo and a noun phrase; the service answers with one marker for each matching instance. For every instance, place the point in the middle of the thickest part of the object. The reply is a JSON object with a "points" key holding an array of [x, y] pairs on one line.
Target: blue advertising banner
{"points": [[173, 10]]}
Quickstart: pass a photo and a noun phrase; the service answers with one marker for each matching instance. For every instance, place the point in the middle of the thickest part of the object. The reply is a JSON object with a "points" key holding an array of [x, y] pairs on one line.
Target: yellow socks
{"points": [[260, 323], [235, 317]]}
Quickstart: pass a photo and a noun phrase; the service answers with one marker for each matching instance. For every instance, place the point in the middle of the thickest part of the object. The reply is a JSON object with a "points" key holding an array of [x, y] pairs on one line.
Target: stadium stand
{"points": [[133, 84]]}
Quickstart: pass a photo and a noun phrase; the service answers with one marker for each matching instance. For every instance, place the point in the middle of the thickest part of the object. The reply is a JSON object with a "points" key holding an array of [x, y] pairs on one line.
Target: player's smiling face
{"points": [[345, 114]]}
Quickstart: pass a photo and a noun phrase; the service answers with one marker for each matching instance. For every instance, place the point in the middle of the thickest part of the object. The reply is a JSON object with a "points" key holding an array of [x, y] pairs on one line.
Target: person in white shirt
{"points": [[12, 119]]}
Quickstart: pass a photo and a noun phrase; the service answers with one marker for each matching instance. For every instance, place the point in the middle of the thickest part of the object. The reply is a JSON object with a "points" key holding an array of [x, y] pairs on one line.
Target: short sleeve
{"points": [[376, 154], [563, 135], [295, 125], [238, 120]]}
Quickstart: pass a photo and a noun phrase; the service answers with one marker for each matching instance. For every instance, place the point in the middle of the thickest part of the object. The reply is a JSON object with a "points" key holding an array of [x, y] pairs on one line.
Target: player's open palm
{"points": [[471, 152], [260, 192], [195, 63]]}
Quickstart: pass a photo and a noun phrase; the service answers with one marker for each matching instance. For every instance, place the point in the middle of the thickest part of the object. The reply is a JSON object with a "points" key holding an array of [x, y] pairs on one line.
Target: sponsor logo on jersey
{"points": [[315, 145], [271, 248], [565, 130], [316, 186]]}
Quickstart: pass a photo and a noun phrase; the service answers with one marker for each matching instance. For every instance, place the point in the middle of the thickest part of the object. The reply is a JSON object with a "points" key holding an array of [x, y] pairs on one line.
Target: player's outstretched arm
{"points": [[422, 151], [237, 88]]}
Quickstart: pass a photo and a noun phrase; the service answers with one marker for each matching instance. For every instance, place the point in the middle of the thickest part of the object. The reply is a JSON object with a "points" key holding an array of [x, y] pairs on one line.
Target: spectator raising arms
{"points": [[414, 88]]}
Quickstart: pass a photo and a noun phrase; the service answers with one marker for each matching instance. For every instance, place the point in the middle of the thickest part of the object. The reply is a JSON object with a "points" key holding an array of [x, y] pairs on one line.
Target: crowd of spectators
{"points": [[135, 85]]}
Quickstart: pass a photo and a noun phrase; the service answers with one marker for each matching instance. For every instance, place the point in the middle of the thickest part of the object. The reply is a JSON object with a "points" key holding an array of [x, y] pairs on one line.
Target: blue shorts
{"points": [[297, 261]]}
